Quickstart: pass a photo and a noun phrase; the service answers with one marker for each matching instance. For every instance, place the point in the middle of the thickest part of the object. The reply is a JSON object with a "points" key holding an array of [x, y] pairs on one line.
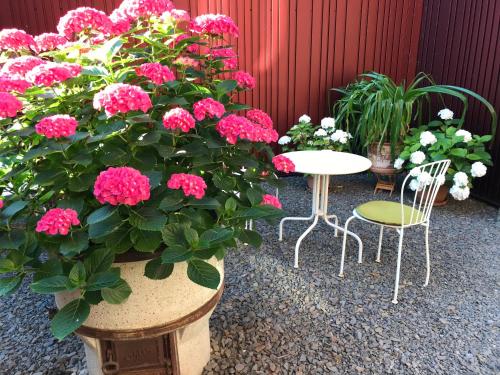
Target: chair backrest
{"points": [[425, 181]]}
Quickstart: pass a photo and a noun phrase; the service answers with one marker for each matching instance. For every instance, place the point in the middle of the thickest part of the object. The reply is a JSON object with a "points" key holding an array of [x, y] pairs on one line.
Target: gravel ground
{"points": [[274, 319]]}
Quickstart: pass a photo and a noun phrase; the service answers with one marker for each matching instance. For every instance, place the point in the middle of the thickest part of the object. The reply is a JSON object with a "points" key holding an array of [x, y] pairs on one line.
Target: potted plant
{"points": [[442, 139], [380, 112], [126, 176], [307, 136]]}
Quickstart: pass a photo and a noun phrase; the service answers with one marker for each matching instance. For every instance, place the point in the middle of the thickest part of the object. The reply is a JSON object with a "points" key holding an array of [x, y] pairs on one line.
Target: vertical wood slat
{"points": [[460, 45]]}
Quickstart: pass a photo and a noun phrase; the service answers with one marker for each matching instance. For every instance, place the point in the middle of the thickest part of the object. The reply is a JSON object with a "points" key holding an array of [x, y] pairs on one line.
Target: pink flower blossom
{"points": [[19, 66], [57, 221], [9, 105], [233, 127], [16, 40], [214, 24], [283, 164], [155, 72], [244, 79], [57, 126], [13, 84], [121, 97], [179, 15], [84, 19], [49, 73], [49, 41], [260, 117], [187, 61], [122, 185], [120, 22], [135, 9], [271, 200], [178, 118], [208, 107], [190, 184], [1, 204], [227, 56]]}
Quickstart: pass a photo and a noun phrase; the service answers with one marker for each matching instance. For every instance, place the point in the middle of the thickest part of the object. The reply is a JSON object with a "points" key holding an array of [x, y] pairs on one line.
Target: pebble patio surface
{"points": [[276, 319]]}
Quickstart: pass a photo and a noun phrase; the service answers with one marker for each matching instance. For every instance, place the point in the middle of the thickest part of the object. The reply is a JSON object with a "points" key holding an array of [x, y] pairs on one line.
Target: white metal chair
{"points": [[427, 180]]}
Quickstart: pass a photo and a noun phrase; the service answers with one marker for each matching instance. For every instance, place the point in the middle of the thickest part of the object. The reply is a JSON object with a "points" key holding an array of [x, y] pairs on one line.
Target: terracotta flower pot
{"points": [[441, 196], [159, 315], [381, 159]]}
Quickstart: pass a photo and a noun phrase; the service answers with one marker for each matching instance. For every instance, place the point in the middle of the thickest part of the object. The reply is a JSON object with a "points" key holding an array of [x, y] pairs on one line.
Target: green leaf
{"points": [[254, 196], [173, 234], [69, 318], [74, 244], [231, 204], [460, 152], [6, 265], [100, 214], [259, 212], [97, 71], [119, 241], [156, 270], [191, 236], [8, 285], [52, 285], [215, 236], [117, 293], [104, 279], [105, 227], [100, 260], [205, 203], [51, 267], [148, 218], [250, 237], [203, 273], [226, 86], [224, 182], [13, 208], [175, 254], [172, 202], [82, 182], [145, 241], [77, 275], [94, 297], [73, 203]]}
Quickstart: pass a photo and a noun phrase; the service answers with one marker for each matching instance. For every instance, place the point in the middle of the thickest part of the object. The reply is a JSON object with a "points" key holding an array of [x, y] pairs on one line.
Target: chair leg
{"points": [[427, 256], [377, 259], [398, 267], [344, 242]]}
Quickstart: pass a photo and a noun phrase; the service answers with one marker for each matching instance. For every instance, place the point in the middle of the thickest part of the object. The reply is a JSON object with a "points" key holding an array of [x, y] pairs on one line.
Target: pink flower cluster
{"points": [[135, 9], [122, 185], [283, 164], [155, 72], [121, 97], [233, 127], [178, 118], [57, 126], [120, 22], [187, 61], [57, 221], [9, 105], [16, 40], [190, 184], [20, 66], [84, 19], [227, 56], [271, 200], [244, 79], [260, 117], [49, 73], [1, 204], [13, 84], [179, 15], [49, 41], [208, 107], [214, 24]]}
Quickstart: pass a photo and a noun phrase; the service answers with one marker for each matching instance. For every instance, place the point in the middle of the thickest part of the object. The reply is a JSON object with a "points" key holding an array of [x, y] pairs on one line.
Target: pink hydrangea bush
{"points": [[121, 134]]}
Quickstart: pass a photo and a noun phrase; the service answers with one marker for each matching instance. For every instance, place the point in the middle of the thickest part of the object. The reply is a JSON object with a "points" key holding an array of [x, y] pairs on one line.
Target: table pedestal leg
{"points": [[319, 209]]}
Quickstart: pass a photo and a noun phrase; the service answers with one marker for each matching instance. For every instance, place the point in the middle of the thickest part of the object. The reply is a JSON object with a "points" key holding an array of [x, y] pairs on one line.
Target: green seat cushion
{"points": [[389, 213]]}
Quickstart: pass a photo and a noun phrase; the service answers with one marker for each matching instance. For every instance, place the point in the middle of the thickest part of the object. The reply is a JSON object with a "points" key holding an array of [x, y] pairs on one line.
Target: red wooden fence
{"points": [[296, 49], [460, 45]]}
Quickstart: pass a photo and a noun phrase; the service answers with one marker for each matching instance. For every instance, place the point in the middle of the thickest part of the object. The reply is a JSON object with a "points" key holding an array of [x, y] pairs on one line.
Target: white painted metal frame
{"points": [[319, 209], [423, 201]]}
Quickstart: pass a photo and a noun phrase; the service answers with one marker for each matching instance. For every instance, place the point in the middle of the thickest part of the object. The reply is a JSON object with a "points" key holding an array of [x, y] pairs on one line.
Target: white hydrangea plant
{"points": [[440, 140]]}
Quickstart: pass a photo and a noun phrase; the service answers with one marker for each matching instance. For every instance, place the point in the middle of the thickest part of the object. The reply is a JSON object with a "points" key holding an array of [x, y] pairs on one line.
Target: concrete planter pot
{"points": [[161, 328]]}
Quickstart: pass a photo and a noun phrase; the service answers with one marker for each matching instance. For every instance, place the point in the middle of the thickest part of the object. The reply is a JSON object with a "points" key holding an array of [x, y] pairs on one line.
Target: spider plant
{"points": [[381, 110]]}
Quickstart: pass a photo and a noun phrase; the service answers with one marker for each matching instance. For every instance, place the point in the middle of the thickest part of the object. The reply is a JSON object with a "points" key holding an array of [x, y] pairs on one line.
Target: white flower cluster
{"points": [[417, 157], [422, 179], [445, 114], [478, 169], [460, 189], [284, 140], [464, 133], [427, 138], [398, 163], [328, 123], [320, 133], [305, 119], [341, 136]]}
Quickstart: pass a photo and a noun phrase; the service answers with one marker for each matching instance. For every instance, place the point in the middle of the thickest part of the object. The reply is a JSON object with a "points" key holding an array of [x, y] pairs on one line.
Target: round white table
{"points": [[321, 165]]}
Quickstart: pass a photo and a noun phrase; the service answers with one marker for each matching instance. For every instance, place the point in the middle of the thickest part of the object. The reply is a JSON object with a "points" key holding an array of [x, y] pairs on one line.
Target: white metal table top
{"points": [[327, 162]]}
